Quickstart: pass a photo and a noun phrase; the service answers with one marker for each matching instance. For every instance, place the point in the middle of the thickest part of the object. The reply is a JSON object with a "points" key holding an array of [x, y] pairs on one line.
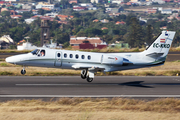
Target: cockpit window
{"points": [[35, 52], [42, 52]]}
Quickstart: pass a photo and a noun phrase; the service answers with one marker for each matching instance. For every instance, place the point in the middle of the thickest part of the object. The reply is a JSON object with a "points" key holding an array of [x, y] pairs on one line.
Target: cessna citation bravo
{"points": [[90, 62]]}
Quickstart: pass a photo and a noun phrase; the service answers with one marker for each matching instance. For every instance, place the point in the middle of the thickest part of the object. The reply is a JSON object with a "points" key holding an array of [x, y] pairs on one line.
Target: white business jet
{"points": [[90, 62]]}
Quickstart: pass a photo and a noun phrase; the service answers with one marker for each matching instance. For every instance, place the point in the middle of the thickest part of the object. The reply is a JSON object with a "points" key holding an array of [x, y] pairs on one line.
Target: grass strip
{"points": [[75, 73], [166, 105], [91, 109]]}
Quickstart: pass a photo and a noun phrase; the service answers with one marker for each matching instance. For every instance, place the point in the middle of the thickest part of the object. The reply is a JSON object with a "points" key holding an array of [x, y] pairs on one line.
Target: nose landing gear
{"points": [[23, 71]]}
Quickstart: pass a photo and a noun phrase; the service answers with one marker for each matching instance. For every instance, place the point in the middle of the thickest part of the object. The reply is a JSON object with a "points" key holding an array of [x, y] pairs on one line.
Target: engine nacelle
{"points": [[112, 60]]}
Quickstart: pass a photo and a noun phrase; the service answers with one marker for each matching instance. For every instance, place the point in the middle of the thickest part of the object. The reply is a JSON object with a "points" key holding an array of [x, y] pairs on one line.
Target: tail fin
{"points": [[160, 47]]}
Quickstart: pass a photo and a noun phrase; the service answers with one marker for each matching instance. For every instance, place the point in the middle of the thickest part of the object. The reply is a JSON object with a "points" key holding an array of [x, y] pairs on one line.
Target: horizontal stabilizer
{"points": [[155, 55]]}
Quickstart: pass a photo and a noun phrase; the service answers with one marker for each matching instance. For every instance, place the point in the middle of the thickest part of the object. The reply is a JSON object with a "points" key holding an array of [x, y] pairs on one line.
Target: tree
{"points": [[135, 38], [66, 44], [107, 38], [62, 38], [91, 32], [81, 34], [149, 37], [42, 11], [160, 16], [5, 13], [129, 18]]}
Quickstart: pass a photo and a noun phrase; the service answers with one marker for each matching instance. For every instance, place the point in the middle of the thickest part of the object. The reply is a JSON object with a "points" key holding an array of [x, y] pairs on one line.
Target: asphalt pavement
{"points": [[47, 87]]}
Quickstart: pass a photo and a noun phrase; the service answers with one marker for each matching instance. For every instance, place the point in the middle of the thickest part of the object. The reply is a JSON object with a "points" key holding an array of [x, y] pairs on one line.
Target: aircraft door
{"points": [[58, 60]]}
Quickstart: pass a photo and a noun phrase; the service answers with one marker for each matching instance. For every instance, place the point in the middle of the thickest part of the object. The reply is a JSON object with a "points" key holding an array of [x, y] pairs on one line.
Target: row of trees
{"points": [[134, 32]]}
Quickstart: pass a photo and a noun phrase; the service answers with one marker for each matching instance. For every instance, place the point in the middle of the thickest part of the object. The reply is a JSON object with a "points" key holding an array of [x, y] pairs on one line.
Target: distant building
{"points": [[5, 41], [3, 3], [79, 8], [4, 9], [35, 12], [114, 10], [163, 28], [64, 17], [88, 45], [166, 11], [51, 14], [12, 12], [96, 20], [73, 1], [94, 1], [47, 6], [120, 23], [104, 28], [105, 21], [117, 1], [16, 16], [26, 46], [27, 6], [76, 41], [151, 10], [30, 20], [23, 10], [52, 45], [119, 44], [159, 1], [11, 0]]}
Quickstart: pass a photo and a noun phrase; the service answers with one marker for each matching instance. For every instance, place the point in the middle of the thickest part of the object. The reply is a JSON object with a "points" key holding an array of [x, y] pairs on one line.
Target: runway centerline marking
{"points": [[45, 84]]}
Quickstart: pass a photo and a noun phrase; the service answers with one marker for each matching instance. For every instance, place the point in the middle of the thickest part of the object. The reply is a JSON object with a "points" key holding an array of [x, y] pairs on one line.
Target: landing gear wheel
{"points": [[23, 71], [89, 79]]}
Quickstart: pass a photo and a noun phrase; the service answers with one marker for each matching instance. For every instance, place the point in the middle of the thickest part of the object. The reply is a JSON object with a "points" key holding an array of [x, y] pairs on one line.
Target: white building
{"points": [[11, 0], [30, 20], [26, 46], [7, 39], [166, 11], [159, 1], [50, 6], [27, 6], [96, 1], [117, 1], [51, 14]]}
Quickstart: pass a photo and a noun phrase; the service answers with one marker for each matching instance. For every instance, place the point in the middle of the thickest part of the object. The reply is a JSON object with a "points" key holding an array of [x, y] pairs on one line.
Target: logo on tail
{"points": [[162, 40]]}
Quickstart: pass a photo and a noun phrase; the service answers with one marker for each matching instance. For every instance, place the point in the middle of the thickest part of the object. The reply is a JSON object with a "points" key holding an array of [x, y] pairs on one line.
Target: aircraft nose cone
{"points": [[11, 59]]}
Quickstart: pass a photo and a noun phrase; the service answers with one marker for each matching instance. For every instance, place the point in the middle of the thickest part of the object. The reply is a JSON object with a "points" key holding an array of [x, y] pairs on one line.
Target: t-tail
{"points": [[159, 49]]}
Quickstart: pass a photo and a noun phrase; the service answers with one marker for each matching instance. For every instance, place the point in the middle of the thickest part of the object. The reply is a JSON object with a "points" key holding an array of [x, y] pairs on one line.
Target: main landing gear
{"points": [[88, 75], [23, 71]]}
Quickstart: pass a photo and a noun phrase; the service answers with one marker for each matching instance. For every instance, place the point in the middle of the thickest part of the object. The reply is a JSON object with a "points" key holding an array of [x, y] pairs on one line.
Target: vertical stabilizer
{"points": [[160, 47]]}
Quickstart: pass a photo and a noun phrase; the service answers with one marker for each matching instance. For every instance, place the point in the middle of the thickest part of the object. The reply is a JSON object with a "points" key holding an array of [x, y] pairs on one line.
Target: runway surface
{"points": [[26, 87]]}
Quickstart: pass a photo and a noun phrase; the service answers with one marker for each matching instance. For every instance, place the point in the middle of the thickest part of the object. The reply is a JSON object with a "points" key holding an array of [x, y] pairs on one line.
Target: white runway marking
{"points": [[89, 96], [45, 84]]}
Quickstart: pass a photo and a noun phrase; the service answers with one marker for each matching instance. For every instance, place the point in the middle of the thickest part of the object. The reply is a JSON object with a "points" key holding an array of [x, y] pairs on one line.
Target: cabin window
{"points": [[65, 55], [71, 56], [35, 52], [77, 56], [58, 55], [42, 53], [82, 57], [89, 57]]}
